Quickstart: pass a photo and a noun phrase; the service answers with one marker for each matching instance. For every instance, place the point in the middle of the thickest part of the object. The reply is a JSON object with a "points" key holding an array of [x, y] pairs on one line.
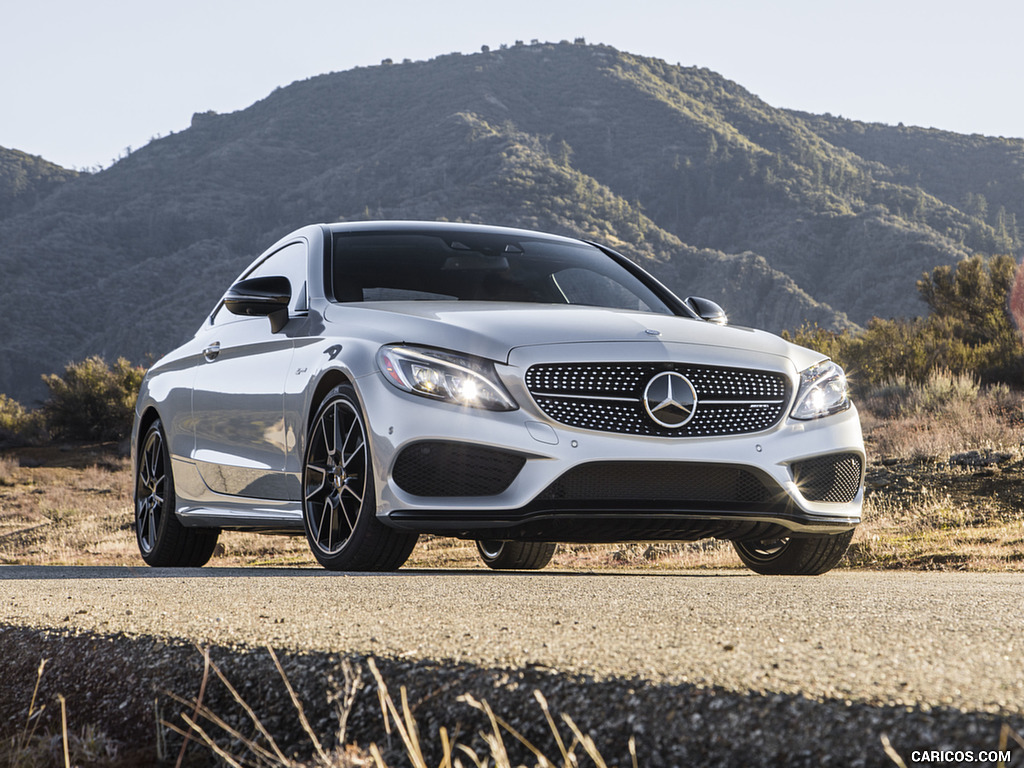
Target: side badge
{"points": [[333, 352]]}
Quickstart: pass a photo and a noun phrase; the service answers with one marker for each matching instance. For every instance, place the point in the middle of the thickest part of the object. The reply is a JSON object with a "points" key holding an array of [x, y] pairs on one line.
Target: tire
{"points": [[515, 555], [809, 556], [339, 508], [163, 541]]}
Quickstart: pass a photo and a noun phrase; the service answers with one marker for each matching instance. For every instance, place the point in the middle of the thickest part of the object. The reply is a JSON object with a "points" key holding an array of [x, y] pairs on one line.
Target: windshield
{"points": [[469, 266]]}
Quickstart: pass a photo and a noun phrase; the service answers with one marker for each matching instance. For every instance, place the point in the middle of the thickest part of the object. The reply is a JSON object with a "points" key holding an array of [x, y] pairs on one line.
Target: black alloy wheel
{"points": [[790, 556], [505, 555], [339, 496], [163, 541]]}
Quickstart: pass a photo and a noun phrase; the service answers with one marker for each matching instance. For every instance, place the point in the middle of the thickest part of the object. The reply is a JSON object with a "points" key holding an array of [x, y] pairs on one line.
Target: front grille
{"points": [[609, 397], [455, 469], [686, 485], [834, 479]]}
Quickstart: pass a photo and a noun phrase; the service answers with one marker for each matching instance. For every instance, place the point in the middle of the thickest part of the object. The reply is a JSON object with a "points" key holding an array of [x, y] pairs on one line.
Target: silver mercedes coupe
{"points": [[363, 383]]}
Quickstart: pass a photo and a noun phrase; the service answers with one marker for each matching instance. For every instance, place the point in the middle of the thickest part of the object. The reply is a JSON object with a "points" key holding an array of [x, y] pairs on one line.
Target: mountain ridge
{"points": [[781, 217]]}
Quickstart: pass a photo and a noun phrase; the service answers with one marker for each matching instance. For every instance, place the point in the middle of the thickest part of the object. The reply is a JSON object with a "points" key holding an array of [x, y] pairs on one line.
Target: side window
{"points": [[288, 262]]}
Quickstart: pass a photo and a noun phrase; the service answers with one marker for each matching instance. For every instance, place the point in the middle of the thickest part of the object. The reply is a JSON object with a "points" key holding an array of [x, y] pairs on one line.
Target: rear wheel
{"points": [[787, 556], [162, 539], [515, 555], [339, 498]]}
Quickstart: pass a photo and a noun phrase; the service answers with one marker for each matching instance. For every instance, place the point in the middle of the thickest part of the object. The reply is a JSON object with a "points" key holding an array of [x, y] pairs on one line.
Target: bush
{"points": [[946, 414], [969, 332], [92, 401], [19, 426], [941, 390]]}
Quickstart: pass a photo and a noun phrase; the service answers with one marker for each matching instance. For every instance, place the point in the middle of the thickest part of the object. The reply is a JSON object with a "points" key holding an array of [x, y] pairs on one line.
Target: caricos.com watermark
{"points": [[959, 756]]}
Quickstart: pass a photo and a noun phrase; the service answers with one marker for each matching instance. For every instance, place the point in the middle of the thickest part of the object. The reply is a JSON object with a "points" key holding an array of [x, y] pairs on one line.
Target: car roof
{"points": [[439, 227]]}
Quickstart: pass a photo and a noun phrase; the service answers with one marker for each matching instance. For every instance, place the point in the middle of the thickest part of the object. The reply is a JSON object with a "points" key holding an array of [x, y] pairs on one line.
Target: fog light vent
{"points": [[833, 479], [436, 468]]}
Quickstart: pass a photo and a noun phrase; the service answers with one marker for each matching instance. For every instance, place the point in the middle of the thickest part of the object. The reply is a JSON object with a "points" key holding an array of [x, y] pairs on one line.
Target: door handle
{"points": [[211, 352]]}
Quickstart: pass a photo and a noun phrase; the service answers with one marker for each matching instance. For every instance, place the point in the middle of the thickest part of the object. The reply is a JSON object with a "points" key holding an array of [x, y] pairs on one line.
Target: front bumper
{"points": [[551, 457]]}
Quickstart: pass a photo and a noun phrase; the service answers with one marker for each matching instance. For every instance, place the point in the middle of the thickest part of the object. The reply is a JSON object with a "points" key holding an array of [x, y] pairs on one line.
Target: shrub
{"points": [[945, 415], [940, 390], [19, 426], [92, 401], [969, 332]]}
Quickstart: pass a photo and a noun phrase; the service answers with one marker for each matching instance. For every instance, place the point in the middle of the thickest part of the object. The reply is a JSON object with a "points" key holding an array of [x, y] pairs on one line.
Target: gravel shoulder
{"points": [[717, 662]]}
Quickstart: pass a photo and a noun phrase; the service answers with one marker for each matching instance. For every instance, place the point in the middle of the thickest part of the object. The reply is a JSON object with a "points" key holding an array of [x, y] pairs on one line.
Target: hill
{"points": [[781, 217], [26, 179]]}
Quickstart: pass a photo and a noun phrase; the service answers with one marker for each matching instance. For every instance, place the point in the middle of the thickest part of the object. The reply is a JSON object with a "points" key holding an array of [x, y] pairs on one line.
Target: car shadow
{"points": [[80, 572]]}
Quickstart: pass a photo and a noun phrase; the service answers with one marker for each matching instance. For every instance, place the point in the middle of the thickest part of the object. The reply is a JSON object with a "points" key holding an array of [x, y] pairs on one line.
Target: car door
{"points": [[241, 438]]}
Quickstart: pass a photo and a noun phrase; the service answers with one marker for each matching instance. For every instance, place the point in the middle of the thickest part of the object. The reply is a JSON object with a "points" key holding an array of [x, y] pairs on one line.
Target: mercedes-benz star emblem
{"points": [[670, 399]]}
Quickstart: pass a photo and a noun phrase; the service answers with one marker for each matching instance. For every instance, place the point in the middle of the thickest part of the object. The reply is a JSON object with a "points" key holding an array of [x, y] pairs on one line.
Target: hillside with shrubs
{"points": [[781, 217]]}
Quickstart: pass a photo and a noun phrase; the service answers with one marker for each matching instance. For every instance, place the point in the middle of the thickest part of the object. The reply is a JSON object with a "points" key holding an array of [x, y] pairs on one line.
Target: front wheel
{"points": [[515, 555], [339, 498], [163, 541], [787, 556]]}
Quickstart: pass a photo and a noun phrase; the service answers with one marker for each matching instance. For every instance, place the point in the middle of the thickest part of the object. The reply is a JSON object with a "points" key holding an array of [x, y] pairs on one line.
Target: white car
{"points": [[363, 383]]}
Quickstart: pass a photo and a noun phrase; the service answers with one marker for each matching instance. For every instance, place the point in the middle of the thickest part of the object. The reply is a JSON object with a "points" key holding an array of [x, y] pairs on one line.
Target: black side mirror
{"points": [[706, 310], [261, 297]]}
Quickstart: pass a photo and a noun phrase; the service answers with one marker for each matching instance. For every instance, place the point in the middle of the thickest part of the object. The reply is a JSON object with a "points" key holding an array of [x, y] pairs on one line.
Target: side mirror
{"points": [[706, 310], [261, 297]]}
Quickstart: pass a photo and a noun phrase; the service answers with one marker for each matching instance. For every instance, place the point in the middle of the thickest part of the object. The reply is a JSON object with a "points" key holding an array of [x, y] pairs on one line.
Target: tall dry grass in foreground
{"points": [[266, 752], [230, 746]]}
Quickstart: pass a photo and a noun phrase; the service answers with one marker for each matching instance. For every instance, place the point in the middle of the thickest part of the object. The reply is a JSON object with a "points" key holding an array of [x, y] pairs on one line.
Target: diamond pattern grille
{"points": [[608, 397]]}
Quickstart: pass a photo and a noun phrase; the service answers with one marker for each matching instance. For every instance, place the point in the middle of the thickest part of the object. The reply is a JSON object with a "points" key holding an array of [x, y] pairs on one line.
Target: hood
{"points": [[493, 330]]}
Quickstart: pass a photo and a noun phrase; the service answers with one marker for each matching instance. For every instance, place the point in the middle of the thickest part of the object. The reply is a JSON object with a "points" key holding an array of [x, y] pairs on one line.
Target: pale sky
{"points": [[82, 81]]}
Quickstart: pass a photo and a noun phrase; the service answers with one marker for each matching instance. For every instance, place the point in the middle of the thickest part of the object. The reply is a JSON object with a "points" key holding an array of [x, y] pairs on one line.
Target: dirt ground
{"points": [[71, 504]]}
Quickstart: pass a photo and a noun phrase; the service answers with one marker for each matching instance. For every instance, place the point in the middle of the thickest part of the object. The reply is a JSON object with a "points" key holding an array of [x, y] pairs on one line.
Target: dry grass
{"points": [[9, 470], [76, 508], [924, 510], [946, 415], [76, 512], [249, 743], [936, 532], [33, 749], [207, 727], [935, 437]]}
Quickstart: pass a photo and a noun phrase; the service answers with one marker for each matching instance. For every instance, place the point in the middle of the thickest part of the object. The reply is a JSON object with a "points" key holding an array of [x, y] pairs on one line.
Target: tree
{"points": [[973, 297], [92, 401], [970, 330]]}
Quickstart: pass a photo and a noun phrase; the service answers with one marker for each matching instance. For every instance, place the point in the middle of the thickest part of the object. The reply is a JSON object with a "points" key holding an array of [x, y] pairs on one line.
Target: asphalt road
{"points": [[952, 639]]}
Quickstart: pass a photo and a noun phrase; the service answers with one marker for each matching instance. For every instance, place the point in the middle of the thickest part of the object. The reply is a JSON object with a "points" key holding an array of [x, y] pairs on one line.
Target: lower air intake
{"points": [[690, 484], [455, 469], [833, 479]]}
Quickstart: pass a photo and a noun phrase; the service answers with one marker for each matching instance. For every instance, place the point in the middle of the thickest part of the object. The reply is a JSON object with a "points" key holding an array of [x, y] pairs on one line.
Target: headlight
{"points": [[445, 376], [823, 391]]}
